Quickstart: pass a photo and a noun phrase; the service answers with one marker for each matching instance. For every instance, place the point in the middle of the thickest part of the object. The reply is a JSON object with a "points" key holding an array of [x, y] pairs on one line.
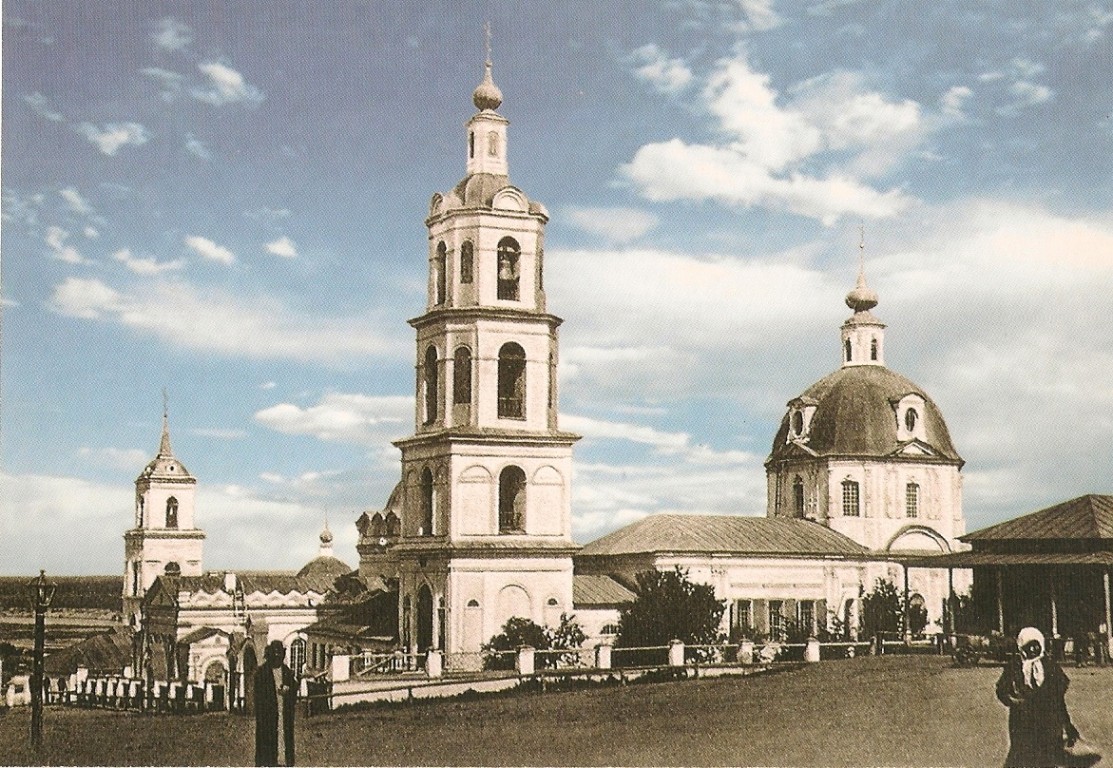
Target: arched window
{"points": [[467, 262], [139, 518], [912, 500], [552, 380], [377, 525], [172, 569], [540, 268], [439, 267], [910, 419], [493, 143], [471, 144], [509, 253], [171, 512], [297, 656], [430, 380], [512, 382], [798, 423], [848, 350], [426, 502], [850, 499], [461, 376], [512, 499], [873, 349], [798, 497], [135, 578]]}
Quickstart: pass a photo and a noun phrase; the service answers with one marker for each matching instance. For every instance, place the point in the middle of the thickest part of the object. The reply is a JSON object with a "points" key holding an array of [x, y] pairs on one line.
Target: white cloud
{"points": [[41, 106], [666, 442], [89, 299], [91, 233], [268, 385], [172, 35], [197, 147], [225, 86], [75, 201], [952, 102], [674, 170], [255, 327], [128, 459], [615, 225], [1027, 95], [207, 249], [283, 247], [652, 65], [56, 240], [170, 83], [345, 418], [802, 154], [760, 15], [146, 266], [113, 136]]}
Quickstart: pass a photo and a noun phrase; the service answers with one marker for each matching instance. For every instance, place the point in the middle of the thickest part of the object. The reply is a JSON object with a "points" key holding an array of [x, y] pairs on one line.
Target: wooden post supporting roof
{"points": [[1000, 601]]}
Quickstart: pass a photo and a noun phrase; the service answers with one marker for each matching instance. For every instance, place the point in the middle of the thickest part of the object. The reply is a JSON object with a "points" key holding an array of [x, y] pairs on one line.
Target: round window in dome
{"points": [[910, 419]]}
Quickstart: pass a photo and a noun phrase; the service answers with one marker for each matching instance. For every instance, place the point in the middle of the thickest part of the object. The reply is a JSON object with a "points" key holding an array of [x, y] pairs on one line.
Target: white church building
{"points": [[862, 478]]}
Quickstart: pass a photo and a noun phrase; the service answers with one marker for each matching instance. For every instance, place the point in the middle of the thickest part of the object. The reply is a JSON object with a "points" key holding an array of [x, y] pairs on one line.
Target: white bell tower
{"points": [[486, 521], [164, 540]]}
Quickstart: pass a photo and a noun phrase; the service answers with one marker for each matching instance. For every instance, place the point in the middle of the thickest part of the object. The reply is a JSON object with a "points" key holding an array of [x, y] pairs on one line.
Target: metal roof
{"points": [[1085, 517], [972, 559], [724, 534], [854, 416], [590, 591]]}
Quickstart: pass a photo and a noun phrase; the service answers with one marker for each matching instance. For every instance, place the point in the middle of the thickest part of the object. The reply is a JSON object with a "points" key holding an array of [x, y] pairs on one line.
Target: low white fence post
{"points": [[746, 652], [434, 663], [676, 653], [603, 656], [341, 669], [524, 662], [811, 650]]}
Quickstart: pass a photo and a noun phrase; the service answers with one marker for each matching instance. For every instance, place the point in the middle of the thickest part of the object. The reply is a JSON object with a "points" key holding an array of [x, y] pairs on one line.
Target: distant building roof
{"points": [[374, 619], [1085, 517], [599, 592], [323, 571], [724, 534], [265, 582], [108, 652]]}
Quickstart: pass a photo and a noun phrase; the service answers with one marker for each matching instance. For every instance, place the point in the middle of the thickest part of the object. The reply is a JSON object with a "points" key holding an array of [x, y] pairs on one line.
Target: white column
{"points": [[434, 663]]}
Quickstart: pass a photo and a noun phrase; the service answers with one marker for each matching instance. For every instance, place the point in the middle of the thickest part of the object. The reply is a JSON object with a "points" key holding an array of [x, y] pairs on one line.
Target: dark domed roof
{"points": [[324, 567], [855, 416]]}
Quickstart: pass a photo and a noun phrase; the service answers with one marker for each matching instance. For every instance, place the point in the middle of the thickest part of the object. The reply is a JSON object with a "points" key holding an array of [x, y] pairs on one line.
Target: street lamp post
{"points": [[40, 594]]}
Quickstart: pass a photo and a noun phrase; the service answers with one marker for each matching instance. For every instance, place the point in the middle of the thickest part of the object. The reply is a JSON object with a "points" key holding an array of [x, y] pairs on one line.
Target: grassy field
{"points": [[893, 711]]}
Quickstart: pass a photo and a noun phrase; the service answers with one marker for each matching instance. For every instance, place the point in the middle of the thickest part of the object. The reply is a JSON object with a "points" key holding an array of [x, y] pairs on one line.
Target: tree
{"points": [[670, 607], [518, 632], [882, 609]]}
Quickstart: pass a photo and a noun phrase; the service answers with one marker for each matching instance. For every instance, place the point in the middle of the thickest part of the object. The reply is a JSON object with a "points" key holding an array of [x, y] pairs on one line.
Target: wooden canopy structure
{"points": [[1049, 569]]}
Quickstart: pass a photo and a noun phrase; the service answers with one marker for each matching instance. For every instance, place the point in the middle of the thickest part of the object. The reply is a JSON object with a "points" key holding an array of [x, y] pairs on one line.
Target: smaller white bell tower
{"points": [[164, 540]]}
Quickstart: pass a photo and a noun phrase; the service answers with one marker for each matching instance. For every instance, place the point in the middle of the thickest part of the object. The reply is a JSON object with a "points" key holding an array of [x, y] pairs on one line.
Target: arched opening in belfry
{"points": [[461, 376], [509, 254], [427, 499], [440, 276], [467, 262], [512, 500], [429, 379], [172, 512], [848, 350], [512, 381]]}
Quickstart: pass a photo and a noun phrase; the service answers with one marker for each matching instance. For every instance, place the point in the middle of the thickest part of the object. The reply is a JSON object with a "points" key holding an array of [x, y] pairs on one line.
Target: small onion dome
{"points": [[326, 536], [487, 95], [862, 298]]}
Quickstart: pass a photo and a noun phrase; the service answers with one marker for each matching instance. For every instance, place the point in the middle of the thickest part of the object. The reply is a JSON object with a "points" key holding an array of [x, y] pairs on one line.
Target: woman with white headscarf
{"points": [[1033, 686]]}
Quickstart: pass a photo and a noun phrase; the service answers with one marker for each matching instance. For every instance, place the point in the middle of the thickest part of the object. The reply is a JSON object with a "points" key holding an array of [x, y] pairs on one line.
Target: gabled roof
{"points": [[201, 633], [589, 591], [107, 652], [1085, 517], [265, 582], [724, 534]]}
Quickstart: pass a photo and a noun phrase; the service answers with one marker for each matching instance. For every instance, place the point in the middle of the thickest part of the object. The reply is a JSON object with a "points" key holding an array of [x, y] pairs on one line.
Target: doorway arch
{"points": [[424, 619]]}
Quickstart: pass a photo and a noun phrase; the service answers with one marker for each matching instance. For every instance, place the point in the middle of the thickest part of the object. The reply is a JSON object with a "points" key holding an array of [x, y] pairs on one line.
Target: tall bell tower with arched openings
{"points": [[164, 540], [486, 520]]}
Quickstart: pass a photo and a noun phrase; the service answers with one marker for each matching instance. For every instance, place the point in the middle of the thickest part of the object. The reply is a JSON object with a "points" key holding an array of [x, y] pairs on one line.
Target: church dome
{"points": [[487, 95], [165, 466], [324, 567], [857, 412]]}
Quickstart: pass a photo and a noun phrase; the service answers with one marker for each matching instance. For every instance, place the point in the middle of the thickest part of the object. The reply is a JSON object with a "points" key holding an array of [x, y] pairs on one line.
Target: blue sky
{"points": [[226, 200]]}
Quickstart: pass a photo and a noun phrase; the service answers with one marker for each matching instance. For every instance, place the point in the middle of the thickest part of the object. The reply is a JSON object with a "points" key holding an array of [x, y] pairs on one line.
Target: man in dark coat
{"points": [[1033, 687], [275, 694]]}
